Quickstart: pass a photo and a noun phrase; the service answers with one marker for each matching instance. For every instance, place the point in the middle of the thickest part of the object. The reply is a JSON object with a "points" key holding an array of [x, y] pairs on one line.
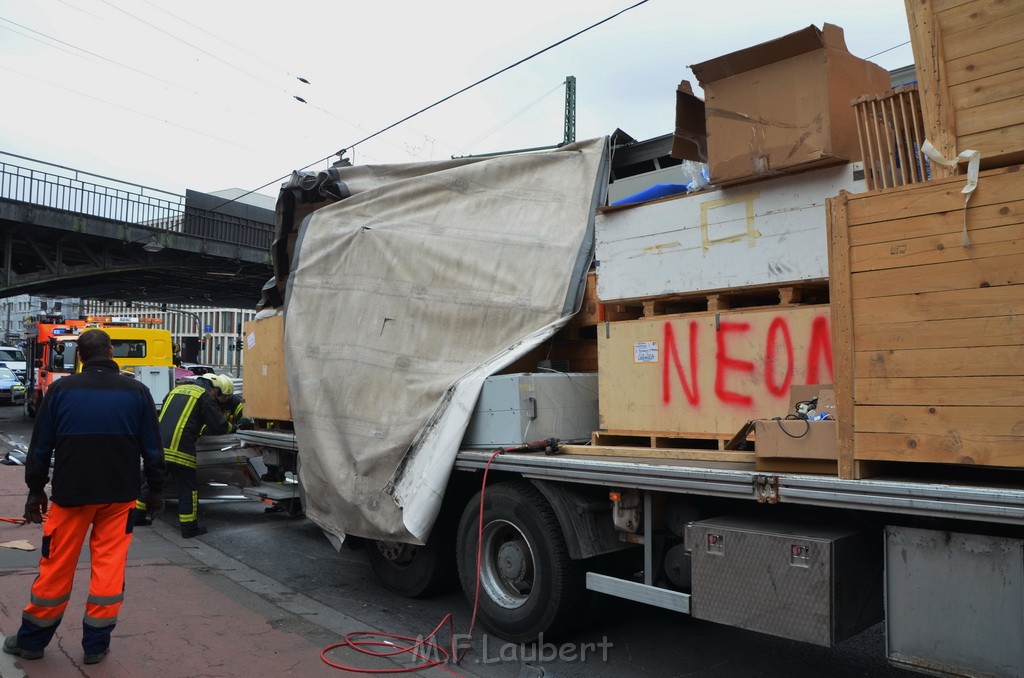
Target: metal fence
{"points": [[46, 184], [49, 185]]}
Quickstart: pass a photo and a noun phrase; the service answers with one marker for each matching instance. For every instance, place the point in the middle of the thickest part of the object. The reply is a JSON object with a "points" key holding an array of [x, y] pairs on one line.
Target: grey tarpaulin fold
{"points": [[402, 297]]}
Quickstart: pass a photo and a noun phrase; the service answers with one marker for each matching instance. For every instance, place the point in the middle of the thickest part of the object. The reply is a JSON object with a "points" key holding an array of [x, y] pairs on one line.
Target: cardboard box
{"points": [[799, 445], [263, 377], [784, 105]]}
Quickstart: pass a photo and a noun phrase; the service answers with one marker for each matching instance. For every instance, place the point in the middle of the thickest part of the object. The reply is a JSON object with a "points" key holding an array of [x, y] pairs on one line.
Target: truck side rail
{"points": [[992, 504]]}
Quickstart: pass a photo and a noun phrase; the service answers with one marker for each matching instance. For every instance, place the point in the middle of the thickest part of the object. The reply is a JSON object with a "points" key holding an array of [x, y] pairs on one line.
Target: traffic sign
{"points": [[208, 329]]}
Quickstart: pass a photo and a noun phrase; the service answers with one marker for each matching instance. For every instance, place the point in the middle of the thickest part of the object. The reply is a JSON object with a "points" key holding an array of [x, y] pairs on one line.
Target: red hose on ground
{"points": [[374, 639]]}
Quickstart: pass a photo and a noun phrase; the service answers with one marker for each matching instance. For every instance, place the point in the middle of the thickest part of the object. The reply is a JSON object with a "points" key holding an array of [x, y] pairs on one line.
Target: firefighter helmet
{"points": [[224, 383]]}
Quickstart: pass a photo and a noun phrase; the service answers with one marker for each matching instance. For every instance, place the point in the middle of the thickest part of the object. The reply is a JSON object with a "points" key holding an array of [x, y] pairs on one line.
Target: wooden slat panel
{"points": [[969, 30], [973, 421], [964, 391], [994, 186], [999, 87], [930, 61], [1004, 59], [941, 449], [984, 272], [842, 329], [1004, 145], [978, 303], [982, 361], [995, 115], [997, 331], [976, 15], [943, 5], [944, 223], [660, 453], [985, 243]]}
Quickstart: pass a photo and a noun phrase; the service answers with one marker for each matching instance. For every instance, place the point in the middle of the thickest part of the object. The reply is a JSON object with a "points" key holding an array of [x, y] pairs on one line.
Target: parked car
{"points": [[14, 358], [198, 370], [12, 391]]}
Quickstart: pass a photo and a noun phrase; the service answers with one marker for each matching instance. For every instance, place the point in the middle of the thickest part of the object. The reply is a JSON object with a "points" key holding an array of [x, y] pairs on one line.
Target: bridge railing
{"points": [[59, 187], [49, 185]]}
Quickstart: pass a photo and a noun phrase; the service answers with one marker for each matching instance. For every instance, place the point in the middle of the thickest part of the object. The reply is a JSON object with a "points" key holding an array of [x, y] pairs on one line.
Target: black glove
{"points": [[245, 424], [154, 504], [35, 506]]}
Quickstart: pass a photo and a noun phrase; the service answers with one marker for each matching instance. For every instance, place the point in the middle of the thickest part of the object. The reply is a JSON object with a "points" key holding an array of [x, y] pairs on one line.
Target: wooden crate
{"points": [[704, 375], [266, 390], [969, 56], [929, 334], [890, 128]]}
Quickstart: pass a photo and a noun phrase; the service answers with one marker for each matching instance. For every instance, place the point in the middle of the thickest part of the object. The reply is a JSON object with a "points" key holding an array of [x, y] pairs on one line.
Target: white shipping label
{"points": [[251, 339], [264, 369], [645, 352]]}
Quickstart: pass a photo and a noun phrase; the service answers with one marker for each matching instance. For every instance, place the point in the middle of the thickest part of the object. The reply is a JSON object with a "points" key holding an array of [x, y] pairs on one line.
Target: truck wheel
{"points": [[410, 570], [528, 583]]}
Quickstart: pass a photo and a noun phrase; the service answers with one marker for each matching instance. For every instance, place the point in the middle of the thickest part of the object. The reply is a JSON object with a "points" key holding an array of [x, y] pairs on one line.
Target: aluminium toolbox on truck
{"points": [[403, 288]]}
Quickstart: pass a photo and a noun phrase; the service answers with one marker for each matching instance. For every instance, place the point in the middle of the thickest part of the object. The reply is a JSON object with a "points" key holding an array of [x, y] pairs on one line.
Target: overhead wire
{"points": [[84, 53], [888, 50], [226, 42], [130, 110], [513, 116], [80, 49], [439, 101], [197, 48]]}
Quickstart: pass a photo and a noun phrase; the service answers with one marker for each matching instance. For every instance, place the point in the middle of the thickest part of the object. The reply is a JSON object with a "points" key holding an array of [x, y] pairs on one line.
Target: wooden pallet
{"points": [[662, 446], [811, 292], [273, 424]]}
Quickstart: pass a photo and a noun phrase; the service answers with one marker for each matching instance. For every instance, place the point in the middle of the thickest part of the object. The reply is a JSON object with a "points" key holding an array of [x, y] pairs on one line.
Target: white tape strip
{"points": [[973, 159]]}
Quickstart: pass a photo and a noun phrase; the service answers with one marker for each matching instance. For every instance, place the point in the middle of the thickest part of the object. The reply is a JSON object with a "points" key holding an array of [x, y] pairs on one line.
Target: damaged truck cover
{"points": [[410, 286]]}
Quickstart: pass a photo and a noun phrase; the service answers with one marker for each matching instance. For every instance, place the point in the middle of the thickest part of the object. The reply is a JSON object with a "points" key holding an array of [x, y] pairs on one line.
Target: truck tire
{"points": [[415, 571], [528, 583]]}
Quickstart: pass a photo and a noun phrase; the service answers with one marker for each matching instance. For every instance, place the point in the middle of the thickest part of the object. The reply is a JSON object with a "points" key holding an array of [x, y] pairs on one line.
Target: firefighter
{"points": [[230, 404], [95, 426], [188, 410]]}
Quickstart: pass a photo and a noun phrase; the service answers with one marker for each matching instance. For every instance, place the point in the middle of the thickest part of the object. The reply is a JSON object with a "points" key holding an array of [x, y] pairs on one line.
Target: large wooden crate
{"points": [[704, 375], [969, 56], [929, 334], [263, 375]]}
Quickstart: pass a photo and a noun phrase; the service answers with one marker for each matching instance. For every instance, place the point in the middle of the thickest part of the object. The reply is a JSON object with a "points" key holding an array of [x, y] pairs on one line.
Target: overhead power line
{"points": [[441, 101], [889, 50]]}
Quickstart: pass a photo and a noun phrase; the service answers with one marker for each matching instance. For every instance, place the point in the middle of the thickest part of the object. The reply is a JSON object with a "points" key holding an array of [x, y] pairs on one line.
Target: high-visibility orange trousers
{"points": [[63, 536]]}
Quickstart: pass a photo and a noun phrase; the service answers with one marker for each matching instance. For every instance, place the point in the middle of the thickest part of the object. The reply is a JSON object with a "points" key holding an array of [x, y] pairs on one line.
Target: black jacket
{"points": [[95, 425], [186, 410]]}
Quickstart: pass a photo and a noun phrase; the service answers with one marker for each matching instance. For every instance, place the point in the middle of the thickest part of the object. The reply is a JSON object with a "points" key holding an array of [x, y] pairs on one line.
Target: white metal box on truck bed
{"points": [[517, 408]]}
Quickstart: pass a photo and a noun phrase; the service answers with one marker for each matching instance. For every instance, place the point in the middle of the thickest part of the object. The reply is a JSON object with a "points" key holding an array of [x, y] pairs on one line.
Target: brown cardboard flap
{"points": [[788, 46], [690, 140]]}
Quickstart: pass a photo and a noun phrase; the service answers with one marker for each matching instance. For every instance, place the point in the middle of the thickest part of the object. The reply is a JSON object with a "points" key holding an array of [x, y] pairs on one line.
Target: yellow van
{"points": [[141, 347], [138, 347]]}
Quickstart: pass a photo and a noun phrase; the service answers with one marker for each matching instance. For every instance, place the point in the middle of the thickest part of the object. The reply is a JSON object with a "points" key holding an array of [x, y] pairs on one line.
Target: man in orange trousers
{"points": [[95, 426]]}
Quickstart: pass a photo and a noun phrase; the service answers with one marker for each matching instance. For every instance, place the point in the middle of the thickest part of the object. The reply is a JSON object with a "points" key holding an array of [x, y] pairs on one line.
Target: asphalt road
{"points": [[619, 638]]}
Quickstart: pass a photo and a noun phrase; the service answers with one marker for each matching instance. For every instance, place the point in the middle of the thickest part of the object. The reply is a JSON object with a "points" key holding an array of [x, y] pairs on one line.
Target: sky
{"points": [[201, 95]]}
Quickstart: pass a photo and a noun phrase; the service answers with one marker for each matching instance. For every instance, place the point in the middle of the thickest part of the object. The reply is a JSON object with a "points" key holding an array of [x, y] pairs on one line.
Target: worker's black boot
{"points": [[189, 530], [140, 517]]}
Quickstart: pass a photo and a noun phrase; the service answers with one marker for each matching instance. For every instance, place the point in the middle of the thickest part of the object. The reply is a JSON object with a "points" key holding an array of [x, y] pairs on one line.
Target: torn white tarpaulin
{"points": [[402, 298]]}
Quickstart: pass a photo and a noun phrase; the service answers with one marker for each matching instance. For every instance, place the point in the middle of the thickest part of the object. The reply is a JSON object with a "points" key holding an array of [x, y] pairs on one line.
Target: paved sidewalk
{"points": [[189, 610]]}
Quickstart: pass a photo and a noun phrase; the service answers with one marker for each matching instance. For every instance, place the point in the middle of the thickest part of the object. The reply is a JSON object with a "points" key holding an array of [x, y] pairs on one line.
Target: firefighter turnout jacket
{"points": [[187, 410]]}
